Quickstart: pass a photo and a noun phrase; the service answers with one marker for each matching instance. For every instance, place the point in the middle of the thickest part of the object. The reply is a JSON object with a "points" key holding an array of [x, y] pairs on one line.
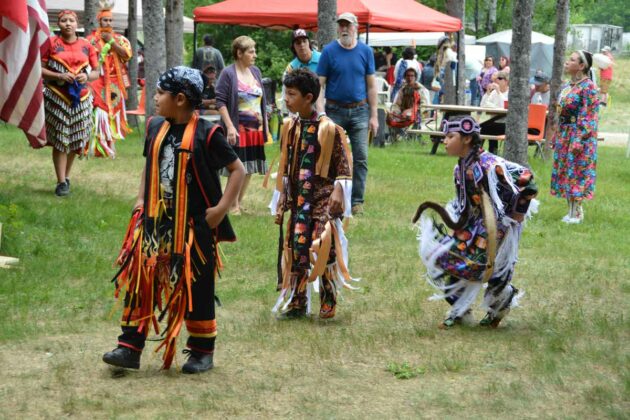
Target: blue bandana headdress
{"points": [[184, 80]]}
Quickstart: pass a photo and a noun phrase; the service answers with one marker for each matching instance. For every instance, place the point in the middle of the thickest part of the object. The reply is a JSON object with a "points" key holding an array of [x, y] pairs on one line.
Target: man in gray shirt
{"points": [[208, 55]]}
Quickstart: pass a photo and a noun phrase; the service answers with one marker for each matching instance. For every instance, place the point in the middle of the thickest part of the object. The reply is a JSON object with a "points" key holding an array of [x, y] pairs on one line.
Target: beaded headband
{"points": [[466, 125], [66, 12]]}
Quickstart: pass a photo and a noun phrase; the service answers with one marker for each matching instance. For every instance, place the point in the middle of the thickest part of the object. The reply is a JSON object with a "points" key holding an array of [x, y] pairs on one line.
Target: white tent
{"points": [[401, 39], [120, 12], [498, 44]]}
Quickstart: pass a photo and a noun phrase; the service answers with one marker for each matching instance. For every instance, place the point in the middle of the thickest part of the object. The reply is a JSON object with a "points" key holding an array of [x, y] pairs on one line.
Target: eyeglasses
{"points": [[501, 78]]}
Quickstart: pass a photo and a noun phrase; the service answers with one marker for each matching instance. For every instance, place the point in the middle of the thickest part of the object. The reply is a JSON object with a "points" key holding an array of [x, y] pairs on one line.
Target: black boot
{"points": [[197, 362], [123, 357]]}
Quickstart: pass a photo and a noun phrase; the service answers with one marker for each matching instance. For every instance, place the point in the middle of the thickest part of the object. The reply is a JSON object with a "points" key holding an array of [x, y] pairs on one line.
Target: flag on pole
{"points": [[24, 37]]}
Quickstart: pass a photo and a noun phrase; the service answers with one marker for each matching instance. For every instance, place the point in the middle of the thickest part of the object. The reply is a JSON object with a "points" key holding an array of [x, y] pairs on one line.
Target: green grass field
{"points": [[563, 354]]}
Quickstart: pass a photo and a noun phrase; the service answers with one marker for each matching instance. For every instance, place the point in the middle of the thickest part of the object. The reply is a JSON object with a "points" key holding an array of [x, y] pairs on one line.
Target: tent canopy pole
{"points": [[195, 36]]}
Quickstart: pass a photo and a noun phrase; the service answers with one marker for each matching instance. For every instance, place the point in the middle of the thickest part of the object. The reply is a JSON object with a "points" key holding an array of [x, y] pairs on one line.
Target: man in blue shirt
{"points": [[346, 73]]}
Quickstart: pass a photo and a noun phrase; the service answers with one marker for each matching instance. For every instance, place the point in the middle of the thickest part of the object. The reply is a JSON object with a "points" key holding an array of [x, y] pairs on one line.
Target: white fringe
{"points": [[273, 204], [430, 247], [279, 301], [493, 181], [309, 294], [507, 252], [346, 185], [467, 298]]}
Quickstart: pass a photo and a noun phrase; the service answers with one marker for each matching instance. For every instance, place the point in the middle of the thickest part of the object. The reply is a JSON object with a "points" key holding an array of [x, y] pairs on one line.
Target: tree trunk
{"points": [[455, 94], [491, 23], [520, 51], [326, 22], [476, 17], [174, 31], [132, 36], [154, 54], [559, 50], [90, 10]]}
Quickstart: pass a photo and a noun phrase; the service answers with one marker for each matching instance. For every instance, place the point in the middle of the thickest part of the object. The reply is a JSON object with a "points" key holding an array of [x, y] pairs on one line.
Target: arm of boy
{"points": [[215, 214], [336, 200]]}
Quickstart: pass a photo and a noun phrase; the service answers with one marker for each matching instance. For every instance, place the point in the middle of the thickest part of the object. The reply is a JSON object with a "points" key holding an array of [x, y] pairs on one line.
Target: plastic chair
{"points": [[536, 119], [398, 127], [140, 111]]}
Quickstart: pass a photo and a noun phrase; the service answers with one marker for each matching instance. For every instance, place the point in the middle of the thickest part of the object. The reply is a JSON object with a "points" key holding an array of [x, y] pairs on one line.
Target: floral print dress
{"points": [[575, 142]]}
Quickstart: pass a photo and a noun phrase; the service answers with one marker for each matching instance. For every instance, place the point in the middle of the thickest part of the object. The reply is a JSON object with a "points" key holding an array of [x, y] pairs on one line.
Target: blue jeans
{"points": [[355, 122]]}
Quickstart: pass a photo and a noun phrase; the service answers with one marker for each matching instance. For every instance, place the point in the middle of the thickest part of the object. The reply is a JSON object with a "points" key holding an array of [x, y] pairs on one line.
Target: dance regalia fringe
{"points": [[486, 247], [150, 277], [110, 117], [331, 240], [67, 126]]}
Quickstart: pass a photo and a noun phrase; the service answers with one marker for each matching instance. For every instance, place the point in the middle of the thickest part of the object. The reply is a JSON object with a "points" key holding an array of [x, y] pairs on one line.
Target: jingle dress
{"points": [[458, 262], [68, 106]]}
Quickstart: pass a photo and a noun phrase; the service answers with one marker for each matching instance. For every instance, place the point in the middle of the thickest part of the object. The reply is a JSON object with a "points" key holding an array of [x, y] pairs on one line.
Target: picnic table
{"points": [[432, 127]]}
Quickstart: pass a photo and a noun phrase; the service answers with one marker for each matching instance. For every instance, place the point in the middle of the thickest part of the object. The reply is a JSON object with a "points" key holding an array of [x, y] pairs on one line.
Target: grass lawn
{"points": [[563, 354]]}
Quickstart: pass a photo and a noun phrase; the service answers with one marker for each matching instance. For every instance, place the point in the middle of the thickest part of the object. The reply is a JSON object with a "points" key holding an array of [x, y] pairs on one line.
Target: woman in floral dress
{"points": [[575, 141]]}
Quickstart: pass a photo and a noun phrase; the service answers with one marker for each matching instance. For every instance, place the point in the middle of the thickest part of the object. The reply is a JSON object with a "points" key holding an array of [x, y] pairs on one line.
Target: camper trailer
{"points": [[594, 37]]}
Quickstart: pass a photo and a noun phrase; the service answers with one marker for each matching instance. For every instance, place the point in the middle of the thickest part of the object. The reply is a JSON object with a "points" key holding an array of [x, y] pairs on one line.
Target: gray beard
{"points": [[346, 40]]}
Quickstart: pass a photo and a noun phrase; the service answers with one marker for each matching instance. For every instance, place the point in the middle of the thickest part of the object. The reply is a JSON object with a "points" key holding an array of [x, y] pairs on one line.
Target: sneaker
{"points": [[68, 182], [451, 321], [123, 357], [574, 220], [493, 320], [197, 361], [293, 313], [62, 189], [357, 209]]}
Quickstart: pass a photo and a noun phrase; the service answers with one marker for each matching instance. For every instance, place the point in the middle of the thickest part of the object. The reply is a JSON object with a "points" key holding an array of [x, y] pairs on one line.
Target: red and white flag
{"points": [[24, 36]]}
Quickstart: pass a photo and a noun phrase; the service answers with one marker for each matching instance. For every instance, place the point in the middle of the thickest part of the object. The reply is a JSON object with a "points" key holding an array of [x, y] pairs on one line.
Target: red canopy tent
{"points": [[377, 15]]}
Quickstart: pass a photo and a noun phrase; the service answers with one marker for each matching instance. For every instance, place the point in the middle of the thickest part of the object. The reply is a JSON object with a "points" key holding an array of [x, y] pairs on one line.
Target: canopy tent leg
{"points": [[195, 36], [457, 71]]}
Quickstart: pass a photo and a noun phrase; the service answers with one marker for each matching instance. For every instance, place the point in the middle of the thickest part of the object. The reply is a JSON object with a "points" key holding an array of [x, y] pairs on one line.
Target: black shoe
{"points": [[123, 357], [197, 362], [68, 183], [62, 189]]}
